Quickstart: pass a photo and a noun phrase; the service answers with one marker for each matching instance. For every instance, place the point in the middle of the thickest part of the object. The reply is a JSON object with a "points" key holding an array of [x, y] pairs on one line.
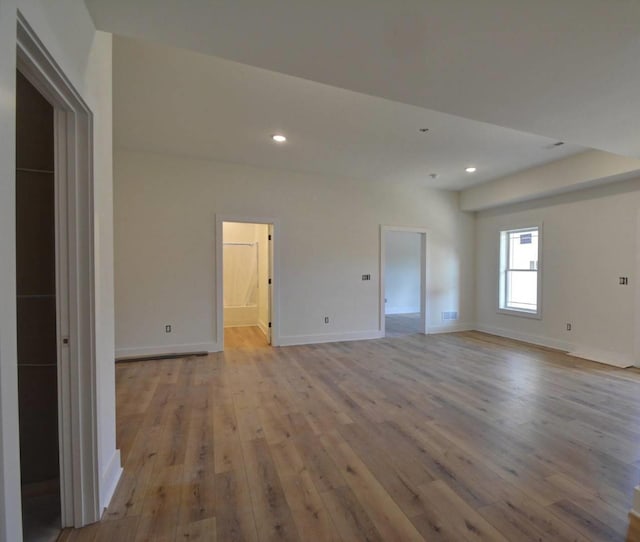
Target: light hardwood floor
{"points": [[399, 325], [444, 437]]}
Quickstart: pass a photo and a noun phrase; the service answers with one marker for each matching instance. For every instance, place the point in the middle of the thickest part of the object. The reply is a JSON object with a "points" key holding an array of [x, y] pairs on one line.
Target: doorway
{"points": [[37, 324], [247, 284], [403, 281], [55, 291]]}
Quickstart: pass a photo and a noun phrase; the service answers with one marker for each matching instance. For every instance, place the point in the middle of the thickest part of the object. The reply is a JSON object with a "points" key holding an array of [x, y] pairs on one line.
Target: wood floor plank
{"points": [[389, 519], [249, 425], [349, 516], [308, 510], [518, 515], [270, 508], [317, 462], [129, 499], [452, 437], [122, 530], [584, 522], [198, 491], [85, 534], [159, 515], [200, 531], [234, 512], [396, 477], [453, 512], [528, 525]]}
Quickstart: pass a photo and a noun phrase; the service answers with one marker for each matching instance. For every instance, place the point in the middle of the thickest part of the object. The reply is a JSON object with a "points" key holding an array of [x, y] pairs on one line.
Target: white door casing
{"points": [[75, 272], [424, 259]]}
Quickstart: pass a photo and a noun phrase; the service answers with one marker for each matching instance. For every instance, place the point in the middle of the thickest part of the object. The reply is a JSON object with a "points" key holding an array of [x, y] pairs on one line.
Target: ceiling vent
{"points": [[555, 145]]}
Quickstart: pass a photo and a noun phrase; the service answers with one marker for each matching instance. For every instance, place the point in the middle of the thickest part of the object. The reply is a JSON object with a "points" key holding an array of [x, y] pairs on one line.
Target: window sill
{"points": [[521, 313]]}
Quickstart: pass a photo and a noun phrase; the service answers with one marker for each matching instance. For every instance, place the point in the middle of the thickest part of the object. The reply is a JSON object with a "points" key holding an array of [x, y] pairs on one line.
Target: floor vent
{"points": [[451, 315]]}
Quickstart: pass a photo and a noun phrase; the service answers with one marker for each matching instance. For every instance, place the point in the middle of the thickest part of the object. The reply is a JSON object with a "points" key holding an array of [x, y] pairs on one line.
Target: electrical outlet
{"points": [[624, 281], [167, 328], [366, 277], [326, 319], [568, 326]]}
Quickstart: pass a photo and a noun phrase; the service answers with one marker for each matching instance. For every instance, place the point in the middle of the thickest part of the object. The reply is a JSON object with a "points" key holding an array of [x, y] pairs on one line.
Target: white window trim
{"points": [[502, 262]]}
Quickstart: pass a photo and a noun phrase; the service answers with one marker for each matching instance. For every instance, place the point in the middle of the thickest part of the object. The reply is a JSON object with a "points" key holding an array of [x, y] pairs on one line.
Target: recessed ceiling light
{"points": [[471, 169], [278, 138]]}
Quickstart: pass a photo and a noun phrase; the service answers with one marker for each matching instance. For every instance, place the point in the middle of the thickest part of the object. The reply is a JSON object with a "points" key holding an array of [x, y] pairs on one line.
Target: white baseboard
{"points": [[636, 503], [615, 359], [525, 337], [401, 310], [167, 349], [451, 328], [110, 479], [293, 340]]}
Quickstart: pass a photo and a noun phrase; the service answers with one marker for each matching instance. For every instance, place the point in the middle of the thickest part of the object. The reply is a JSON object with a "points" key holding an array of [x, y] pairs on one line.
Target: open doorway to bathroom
{"points": [[247, 277]]}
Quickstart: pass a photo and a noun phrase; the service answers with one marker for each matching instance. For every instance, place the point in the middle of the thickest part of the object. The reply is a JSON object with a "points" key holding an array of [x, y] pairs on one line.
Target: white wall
{"points": [[329, 236], [402, 272], [100, 89], [67, 31], [590, 239]]}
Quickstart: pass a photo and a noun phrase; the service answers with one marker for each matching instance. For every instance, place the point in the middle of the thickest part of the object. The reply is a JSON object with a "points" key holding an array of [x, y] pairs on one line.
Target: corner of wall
{"points": [[615, 359], [110, 478], [264, 327]]}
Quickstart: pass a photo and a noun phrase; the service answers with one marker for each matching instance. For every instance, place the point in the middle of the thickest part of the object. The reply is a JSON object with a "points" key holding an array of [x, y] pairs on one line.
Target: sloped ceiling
{"points": [[563, 69], [170, 100]]}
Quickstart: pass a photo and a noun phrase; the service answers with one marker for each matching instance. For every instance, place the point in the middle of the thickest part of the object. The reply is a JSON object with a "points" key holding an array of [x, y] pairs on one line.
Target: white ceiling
{"points": [[565, 69], [177, 101]]}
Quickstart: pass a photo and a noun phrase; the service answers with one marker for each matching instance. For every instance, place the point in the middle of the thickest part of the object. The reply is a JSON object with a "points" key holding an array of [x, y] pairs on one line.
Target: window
{"points": [[520, 272]]}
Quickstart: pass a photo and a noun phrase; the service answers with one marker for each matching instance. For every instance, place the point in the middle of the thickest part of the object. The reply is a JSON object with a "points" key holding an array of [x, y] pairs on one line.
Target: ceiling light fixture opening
{"points": [[555, 145], [278, 138], [471, 169]]}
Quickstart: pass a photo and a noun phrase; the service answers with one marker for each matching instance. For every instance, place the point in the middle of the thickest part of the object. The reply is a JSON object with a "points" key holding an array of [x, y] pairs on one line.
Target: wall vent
{"points": [[450, 315]]}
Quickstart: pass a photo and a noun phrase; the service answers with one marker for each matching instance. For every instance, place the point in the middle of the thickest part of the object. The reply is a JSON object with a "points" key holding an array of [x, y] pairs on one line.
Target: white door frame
{"points": [[77, 413], [424, 275], [275, 278]]}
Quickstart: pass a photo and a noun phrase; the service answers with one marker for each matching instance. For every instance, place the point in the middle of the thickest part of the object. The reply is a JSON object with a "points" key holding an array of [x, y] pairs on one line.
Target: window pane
{"points": [[522, 290], [523, 250]]}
